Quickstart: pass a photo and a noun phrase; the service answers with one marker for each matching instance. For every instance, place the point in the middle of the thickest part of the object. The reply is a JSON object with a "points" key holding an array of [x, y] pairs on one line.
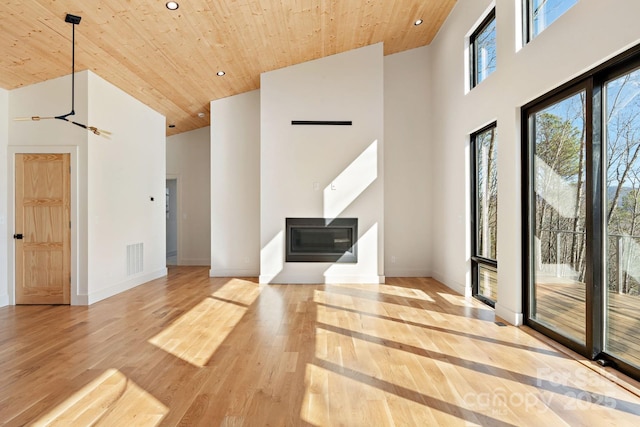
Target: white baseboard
{"points": [[232, 272], [82, 299], [194, 261], [307, 279], [406, 272], [501, 311], [354, 279], [266, 278], [4, 300], [509, 315], [125, 286], [453, 285]]}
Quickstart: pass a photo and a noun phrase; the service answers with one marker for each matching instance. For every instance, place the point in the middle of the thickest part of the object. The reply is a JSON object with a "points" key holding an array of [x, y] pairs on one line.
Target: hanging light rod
{"points": [[73, 20]]}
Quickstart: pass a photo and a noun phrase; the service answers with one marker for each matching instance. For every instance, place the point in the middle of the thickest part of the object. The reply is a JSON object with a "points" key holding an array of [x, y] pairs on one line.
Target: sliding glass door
{"points": [[581, 217], [622, 319], [558, 292]]}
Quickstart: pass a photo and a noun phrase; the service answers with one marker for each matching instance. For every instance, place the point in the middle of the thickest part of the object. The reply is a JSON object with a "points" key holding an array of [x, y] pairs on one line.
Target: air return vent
{"points": [[135, 256]]}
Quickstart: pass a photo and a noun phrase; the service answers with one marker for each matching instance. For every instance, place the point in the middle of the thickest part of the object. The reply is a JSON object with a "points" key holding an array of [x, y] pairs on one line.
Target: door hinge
{"points": [[69, 224], [18, 236]]}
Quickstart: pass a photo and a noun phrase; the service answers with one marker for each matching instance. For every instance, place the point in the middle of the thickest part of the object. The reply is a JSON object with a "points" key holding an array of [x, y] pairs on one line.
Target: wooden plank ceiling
{"points": [[169, 59]]}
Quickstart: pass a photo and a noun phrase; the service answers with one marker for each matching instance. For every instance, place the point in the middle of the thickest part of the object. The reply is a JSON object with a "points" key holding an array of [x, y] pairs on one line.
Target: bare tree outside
{"points": [[486, 156], [560, 202], [483, 48], [560, 210], [622, 122], [544, 12], [623, 183]]}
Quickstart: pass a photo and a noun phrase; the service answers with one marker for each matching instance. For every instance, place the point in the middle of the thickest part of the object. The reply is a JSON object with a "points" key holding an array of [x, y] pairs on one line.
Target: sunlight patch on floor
{"points": [[332, 399], [335, 398], [197, 334], [385, 290], [110, 399], [348, 300], [350, 326], [456, 300]]}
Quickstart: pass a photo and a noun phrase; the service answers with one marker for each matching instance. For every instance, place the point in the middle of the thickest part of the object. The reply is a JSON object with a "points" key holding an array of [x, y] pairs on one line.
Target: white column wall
{"points": [[235, 185], [52, 98], [407, 164], [112, 182], [323, 171], [125, 173]]}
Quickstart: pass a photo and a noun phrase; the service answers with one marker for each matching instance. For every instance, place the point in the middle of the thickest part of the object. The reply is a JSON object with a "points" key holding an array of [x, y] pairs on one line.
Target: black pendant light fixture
{"points": [[73, 20]]}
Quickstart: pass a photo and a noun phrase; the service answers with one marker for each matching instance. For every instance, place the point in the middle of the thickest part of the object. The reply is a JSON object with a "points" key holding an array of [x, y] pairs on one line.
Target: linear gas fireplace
{"points": [[322, 240]]}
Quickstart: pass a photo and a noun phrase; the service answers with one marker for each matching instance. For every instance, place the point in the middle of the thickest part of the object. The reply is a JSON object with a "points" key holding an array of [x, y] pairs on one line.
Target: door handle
{"points": [[18, 236]]}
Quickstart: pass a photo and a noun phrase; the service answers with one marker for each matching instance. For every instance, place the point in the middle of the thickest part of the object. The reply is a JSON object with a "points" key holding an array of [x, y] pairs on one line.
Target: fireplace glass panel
{"points": [[310, 240], [322, 240]]}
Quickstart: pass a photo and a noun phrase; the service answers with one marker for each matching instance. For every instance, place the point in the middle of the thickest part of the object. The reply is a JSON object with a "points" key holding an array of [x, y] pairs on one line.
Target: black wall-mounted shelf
{"points": [[322, 122]]}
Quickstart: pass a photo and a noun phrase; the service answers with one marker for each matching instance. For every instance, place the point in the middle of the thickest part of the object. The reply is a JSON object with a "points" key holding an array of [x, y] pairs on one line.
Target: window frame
{"points": [[528, 193], [527, 21], [477, 260], [473, 57]]}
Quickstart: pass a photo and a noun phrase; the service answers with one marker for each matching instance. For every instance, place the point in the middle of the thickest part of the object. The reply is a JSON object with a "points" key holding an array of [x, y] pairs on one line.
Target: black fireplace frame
{"points": [[349, 256]]}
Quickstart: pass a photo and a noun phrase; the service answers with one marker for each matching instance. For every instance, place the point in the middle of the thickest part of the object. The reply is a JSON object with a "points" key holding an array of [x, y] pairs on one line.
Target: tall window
{"points": [[582, 216], [539, 14], [482, 47], [484, 203]]}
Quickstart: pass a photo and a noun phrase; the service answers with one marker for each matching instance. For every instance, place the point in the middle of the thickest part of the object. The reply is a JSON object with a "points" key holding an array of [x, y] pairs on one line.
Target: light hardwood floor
{"points": [[194, 350]]}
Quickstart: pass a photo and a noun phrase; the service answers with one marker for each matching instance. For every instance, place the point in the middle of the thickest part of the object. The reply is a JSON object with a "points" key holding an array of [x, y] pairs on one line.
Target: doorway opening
{"points": [[172, 221]]}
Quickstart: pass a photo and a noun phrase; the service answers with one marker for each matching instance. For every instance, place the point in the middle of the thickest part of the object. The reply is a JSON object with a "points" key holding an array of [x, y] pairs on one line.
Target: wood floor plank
{"points": [[198, 351]]}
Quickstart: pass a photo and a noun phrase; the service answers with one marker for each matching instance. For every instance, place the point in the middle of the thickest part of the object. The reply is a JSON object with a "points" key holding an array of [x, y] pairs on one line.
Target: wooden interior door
{"points": [[43, 228]]}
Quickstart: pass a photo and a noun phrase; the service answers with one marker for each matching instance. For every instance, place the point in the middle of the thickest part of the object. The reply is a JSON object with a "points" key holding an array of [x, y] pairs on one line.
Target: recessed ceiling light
{"points": [[418, 22], [172, 5], [220, 73]]}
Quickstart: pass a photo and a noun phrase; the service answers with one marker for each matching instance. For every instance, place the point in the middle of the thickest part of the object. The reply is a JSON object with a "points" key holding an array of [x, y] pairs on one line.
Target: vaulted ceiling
{"points": [[169, 59]]}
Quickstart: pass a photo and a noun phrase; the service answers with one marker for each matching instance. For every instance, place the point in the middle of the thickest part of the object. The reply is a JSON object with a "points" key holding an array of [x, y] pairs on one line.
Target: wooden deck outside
{"points": [[193, 350], [562, 305], [488, 282]]}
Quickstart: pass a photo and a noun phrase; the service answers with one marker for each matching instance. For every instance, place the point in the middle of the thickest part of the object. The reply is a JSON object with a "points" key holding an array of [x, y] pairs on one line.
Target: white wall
{"points": [[112, 179], [585, 36], [125, 173], [407, 164], [188, 160], [235, 185], [4, 231], [347, 86]]}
